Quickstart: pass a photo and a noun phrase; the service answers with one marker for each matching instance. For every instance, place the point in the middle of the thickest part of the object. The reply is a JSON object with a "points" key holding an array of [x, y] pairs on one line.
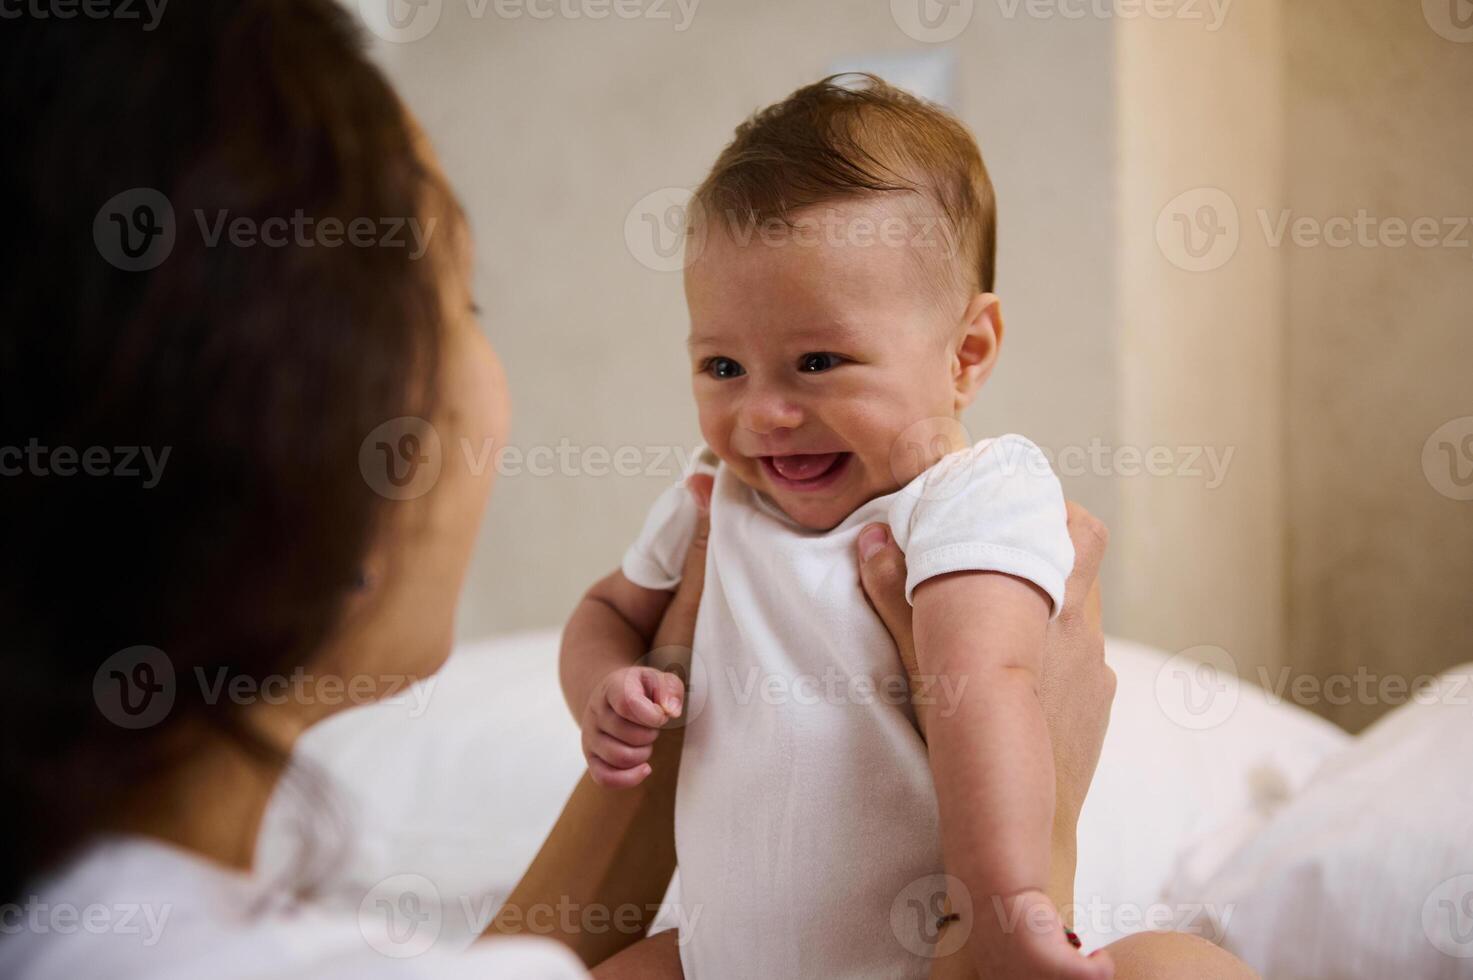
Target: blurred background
{"points": [[1235, 257]]}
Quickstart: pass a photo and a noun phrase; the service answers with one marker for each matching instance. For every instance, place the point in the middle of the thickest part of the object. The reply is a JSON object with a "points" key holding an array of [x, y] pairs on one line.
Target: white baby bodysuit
{"points": [[805, 808]]}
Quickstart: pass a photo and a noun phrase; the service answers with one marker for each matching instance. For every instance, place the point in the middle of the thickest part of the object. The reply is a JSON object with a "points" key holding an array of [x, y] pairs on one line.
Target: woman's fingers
{"points": [[882, 574], [693, 577], [1076, 686], [1091, 611], [700, 486], [1082, 593], [1090, 537], [678, 627]]}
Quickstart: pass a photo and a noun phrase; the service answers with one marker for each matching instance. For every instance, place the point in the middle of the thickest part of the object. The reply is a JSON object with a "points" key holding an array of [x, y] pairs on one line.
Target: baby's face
{"points": [[813, 352]]}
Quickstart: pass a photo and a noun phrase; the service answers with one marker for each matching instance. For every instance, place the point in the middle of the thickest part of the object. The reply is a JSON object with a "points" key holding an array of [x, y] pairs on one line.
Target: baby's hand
{"points": [[1033, 945], [622, 720]]}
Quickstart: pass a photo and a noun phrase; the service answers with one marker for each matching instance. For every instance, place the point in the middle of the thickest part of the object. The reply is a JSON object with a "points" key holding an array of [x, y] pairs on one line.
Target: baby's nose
{"points": [[765, 412]]}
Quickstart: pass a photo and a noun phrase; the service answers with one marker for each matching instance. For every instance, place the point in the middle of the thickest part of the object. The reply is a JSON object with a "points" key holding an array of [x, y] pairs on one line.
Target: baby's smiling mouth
{"points": [[806, 472]]}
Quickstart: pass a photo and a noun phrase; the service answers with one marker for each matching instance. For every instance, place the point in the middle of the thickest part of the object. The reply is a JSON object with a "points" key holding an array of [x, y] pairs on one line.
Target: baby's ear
{"points": [[978, 344]]}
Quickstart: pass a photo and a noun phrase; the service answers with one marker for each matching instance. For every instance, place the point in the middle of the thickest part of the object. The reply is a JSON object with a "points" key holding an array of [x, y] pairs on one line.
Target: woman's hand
{"points": [[1078, 687]]}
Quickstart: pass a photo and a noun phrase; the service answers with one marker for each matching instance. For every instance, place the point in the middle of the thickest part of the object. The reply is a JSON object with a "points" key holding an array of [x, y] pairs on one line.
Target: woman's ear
{"points": [[977, 348]]}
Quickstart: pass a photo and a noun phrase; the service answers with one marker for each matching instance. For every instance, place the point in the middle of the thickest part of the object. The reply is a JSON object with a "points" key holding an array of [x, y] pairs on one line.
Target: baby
{"points": [[839, 280]]}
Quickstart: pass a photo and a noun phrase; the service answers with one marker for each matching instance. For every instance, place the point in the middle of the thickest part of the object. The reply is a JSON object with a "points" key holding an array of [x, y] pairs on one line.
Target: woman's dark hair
{"points": [[258, 367]]}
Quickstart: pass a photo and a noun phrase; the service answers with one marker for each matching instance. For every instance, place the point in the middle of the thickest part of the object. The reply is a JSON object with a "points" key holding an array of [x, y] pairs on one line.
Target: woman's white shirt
{"points": [[129, 907]]}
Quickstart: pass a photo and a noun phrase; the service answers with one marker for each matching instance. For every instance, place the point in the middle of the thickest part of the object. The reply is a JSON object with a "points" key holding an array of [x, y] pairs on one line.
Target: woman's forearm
{"points": [[597, 883], [609, 858], [600, 876]]}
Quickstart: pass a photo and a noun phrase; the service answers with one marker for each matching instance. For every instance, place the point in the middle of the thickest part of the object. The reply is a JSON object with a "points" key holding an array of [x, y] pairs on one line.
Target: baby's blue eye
{"points": [[723, 368], [814, 363]]}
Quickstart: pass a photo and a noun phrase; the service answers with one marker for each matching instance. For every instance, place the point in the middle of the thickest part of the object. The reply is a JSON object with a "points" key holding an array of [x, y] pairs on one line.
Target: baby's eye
{"points": [[723, 368], [814, 363]]}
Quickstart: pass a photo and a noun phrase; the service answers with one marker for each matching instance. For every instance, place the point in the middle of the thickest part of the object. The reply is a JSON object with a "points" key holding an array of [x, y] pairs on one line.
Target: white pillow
{"points": [[1368, 872], [458, 780], [1191, 756]]}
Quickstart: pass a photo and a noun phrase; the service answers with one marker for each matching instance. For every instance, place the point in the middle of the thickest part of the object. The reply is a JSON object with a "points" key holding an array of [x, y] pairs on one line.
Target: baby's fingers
{"points": [[1069, 965], [1095, 966], [625, 731], [617, 754], [606, 775], [1102, 967], [637, 697], [668, 692]]}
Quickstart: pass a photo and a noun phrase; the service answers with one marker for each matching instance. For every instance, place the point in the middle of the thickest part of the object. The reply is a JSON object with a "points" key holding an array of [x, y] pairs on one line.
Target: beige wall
{"points": [[1328, 562], [1200, 124], [1380, 345]]}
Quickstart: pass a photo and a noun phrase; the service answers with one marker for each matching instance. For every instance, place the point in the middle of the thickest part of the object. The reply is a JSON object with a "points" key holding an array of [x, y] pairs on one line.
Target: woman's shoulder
{"points": [[133, 908]]}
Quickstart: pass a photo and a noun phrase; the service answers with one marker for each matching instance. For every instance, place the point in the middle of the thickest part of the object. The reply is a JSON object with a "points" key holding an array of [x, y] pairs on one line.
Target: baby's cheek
{"points": [[717, 429], [713, 433], [721, 446]]}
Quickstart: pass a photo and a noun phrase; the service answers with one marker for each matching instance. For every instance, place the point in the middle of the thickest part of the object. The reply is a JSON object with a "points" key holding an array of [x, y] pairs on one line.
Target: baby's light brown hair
{"points": [[831, 142]]}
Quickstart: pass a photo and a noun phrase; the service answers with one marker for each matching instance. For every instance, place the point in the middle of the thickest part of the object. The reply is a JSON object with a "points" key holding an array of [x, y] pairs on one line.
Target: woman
{"points": [[192, 292]]}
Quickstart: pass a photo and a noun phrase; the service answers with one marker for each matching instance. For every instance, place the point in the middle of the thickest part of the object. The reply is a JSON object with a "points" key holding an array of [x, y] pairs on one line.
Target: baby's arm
{"points": [[619, 705], [612, 627], [993, 766]]}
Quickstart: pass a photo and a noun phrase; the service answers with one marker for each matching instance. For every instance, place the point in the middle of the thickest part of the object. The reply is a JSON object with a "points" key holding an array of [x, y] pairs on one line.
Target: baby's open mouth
{"points": [[806, 471]]}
